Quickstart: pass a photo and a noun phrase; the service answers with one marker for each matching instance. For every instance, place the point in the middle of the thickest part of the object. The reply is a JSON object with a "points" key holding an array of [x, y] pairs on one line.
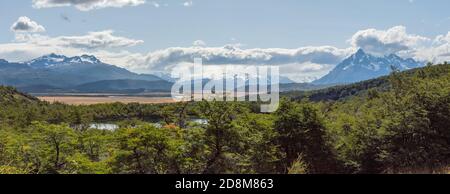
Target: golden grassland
{"points": [[89, 100]]}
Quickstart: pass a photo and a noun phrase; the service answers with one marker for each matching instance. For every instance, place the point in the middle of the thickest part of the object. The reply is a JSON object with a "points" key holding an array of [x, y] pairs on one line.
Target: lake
{"points": [[112, 127]]}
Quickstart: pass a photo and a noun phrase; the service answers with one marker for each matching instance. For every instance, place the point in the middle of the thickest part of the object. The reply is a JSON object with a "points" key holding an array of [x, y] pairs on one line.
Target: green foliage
{"points": [[145, 150], [298, 167], [398, 130], [418, 129], [302, 132], [261, 148], [394, 124], [223, 139]]}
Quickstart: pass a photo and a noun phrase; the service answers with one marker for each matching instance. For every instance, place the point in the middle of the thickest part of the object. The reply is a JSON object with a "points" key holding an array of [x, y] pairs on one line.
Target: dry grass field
{"points": [[89, 100]]}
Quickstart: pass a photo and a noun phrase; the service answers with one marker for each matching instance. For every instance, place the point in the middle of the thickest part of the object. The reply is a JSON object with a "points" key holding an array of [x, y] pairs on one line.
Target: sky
{"points": [[307, 38]]}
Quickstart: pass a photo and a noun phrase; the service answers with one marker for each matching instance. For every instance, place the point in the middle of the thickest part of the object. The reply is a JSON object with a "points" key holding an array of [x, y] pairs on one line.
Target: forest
{"points": [[396, 124]]}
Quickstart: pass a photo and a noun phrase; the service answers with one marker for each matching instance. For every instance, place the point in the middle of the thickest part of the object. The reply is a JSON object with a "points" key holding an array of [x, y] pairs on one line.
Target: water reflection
{"points": [[113, 127], [200, 121], [104, 126]]}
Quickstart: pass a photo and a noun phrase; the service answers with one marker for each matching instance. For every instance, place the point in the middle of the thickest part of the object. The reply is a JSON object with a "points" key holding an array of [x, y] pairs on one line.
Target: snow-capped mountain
{"points": [[54, 60], [59, 71], [363, 66]]}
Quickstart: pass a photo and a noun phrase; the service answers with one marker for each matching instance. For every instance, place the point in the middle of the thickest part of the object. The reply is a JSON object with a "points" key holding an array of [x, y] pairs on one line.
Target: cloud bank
{"points": [[93, 40], [27, 46], [301, 64], [389, 41], [233, 54], [86, 5]]}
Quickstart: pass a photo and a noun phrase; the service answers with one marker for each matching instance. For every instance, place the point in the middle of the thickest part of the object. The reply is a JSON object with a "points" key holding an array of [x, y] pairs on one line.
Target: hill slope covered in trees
{"points": [[11, 95], [399, 125], [378, 84]]}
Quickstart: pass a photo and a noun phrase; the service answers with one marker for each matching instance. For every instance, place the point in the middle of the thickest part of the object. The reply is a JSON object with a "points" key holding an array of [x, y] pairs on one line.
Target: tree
{"points": [[82, 120], [145, 150], [418, 135], [222, 137], [93, 143], [51, 144], [261, 153], [302, 132]]}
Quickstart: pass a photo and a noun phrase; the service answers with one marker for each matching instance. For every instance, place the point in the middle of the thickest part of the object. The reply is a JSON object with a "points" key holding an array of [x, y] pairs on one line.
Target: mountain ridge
{"points": [[339, 92], [363, 66], [85, 73], [61, 72]]}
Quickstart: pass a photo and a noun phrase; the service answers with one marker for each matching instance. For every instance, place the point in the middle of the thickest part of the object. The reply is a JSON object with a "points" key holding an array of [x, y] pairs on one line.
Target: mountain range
{"points": [[58, 73], [86, 74], [363, 66]]}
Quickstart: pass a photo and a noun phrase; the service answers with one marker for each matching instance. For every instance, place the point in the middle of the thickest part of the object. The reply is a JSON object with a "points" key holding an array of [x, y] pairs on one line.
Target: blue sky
{"points": [[140, 30]]}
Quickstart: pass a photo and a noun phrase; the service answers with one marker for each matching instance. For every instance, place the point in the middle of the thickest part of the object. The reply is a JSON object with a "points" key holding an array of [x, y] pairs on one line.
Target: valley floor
{"points": [[90, 100]]}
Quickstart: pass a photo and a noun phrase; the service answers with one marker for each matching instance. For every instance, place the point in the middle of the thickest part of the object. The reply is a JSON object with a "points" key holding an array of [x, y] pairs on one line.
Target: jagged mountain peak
{"points": [[54, 72], [360, 53], [85, 59], [54, 60], [363, 66], [50, 58]]}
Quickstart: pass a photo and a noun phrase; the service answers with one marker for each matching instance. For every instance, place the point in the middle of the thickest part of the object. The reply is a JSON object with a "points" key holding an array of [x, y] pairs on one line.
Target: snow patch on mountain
{"points": [[54, 60], [363, 66]]}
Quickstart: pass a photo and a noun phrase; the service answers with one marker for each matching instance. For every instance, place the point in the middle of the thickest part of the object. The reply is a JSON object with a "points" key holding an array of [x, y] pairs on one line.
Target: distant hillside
{"points": [[380, 84], [61, 72], [11, 95], [300, 87], [41, 88]]}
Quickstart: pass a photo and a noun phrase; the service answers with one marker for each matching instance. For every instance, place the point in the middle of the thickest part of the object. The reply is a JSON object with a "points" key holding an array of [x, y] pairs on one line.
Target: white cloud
{"points": [[155, 4], [199, 43], [29, 46], [25, 24], [188, 3], [393, 40], [397, 40], [442, 39], [86, 5], [293, 62], [304, 63], [17, 52], [300, 64], [305, 72], [232, 54], [438, 52], [93, 40]]}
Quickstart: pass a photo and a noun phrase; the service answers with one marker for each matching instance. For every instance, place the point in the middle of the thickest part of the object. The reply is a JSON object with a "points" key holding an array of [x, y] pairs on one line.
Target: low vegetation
{"points": [[401, 127]]}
